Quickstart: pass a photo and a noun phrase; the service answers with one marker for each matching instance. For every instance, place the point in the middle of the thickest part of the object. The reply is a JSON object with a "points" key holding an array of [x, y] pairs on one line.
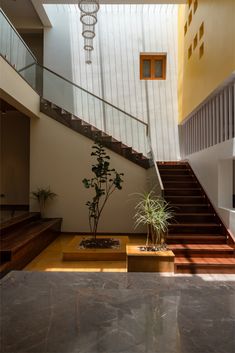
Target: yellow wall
{"points": [[198, 77]]}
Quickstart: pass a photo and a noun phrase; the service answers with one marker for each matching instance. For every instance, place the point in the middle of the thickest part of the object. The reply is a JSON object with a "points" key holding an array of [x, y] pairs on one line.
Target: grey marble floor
{"points": [[45, 312]]}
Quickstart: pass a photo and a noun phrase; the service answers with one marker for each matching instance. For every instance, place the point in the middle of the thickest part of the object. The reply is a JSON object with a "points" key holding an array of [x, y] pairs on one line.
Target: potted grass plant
{"points": [[155, 213], [43, 195]]}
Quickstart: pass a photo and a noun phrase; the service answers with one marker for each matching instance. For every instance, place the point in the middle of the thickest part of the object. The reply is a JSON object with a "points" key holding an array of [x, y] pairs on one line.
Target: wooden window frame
{"points": [[153, 58]]}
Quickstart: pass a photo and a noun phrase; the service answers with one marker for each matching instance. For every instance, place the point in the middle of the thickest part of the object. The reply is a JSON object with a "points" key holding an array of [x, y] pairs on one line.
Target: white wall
{"points": [[60, 158], [122, 33], [213, 167]]}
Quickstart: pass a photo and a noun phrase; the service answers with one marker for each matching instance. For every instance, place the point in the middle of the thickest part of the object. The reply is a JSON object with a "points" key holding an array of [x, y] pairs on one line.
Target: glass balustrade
{"points": [[12, 46]]}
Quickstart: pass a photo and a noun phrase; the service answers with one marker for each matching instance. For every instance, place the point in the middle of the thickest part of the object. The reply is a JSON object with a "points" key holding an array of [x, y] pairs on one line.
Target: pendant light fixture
{"points": [[88, 18]]}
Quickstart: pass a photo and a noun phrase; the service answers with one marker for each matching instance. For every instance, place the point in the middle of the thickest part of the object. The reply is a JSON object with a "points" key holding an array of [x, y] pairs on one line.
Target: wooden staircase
{"points": [[90, 131], [24, 237], [198, 238]]}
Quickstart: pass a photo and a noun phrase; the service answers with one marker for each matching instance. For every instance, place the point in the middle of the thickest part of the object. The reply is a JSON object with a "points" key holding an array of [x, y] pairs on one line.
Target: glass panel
{"points": [[12, 46], [158, 68], [146, 68]]}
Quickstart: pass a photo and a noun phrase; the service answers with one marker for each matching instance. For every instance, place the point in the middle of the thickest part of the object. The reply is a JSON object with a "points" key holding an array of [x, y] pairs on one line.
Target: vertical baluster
{"points": [[230, 112]]}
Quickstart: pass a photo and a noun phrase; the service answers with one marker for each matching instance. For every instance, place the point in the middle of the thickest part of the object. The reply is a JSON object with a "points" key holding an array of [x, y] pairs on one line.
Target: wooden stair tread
{"points": [[194, 224], [209, 261], [16, 220], [196, 236], [191, 204], [188, 196], [199, 247], [193, 213], [184, 189], [18, 238]]}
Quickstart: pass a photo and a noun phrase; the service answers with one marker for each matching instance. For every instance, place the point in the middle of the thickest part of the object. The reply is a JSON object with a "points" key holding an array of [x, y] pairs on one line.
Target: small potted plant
{"points": [[43, 196], [155, 213], [105, 182]]}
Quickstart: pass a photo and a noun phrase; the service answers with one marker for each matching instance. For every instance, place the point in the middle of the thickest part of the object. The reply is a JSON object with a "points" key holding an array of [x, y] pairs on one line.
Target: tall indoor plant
{"points": [[155, 213], [106, 180]]}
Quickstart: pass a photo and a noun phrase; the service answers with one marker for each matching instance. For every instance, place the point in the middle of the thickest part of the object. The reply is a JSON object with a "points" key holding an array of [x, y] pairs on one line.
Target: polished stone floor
{"points": [[72, 312]]}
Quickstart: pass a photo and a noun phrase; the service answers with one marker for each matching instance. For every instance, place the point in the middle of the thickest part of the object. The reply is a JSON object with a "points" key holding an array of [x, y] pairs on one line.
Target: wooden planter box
{"points": [[72, 252], [147, 261]]}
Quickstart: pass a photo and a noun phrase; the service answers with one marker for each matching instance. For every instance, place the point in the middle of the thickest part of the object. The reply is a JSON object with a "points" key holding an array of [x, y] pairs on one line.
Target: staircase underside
{"points": [[198, 238], [90, 131]]}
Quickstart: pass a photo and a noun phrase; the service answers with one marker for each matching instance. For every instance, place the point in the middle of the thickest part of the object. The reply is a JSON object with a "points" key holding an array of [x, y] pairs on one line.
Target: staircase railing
{"points": [[70, 96]]}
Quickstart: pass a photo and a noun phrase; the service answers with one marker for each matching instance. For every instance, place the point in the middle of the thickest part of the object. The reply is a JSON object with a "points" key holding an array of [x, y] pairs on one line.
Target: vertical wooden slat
{"points": [[225, 96], [213, 122], [217, 120], [221, 116], [230, 111]]}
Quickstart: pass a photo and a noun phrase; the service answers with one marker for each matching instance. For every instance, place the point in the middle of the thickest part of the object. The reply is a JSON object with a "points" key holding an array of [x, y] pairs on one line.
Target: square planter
{"points": [[73, 252], [149, 261]]}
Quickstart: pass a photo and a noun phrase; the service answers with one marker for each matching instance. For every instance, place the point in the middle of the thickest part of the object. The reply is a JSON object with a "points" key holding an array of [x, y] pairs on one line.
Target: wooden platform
{"points": [[25, 237], [72, 252], [148, 261]]}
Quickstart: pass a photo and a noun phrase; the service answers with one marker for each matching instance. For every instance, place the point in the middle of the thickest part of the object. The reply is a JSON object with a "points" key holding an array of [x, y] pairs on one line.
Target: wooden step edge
{"points": [[182, 189], [195, 225], [194, 214], [201, 247], [207, 261], [196, 236], [18, 220], [45, 226]]}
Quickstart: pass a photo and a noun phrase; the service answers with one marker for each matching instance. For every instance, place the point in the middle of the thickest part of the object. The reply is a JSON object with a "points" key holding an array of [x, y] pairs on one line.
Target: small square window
{"points": [[185, 28], [195, 6], [190, 16], [152, 66], [201, 30], [190, 52], [201, 50], [195, 42]]}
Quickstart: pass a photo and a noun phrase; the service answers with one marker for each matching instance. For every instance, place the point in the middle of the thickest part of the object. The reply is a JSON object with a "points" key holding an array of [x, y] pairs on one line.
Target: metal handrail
{"points": [[18, 35], [88, 92], [157, 170]]}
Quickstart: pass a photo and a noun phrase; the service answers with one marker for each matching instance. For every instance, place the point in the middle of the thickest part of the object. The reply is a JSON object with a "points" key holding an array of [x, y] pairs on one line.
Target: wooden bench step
{"points": [[12, 223], [23, 244], [19, 238]]}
